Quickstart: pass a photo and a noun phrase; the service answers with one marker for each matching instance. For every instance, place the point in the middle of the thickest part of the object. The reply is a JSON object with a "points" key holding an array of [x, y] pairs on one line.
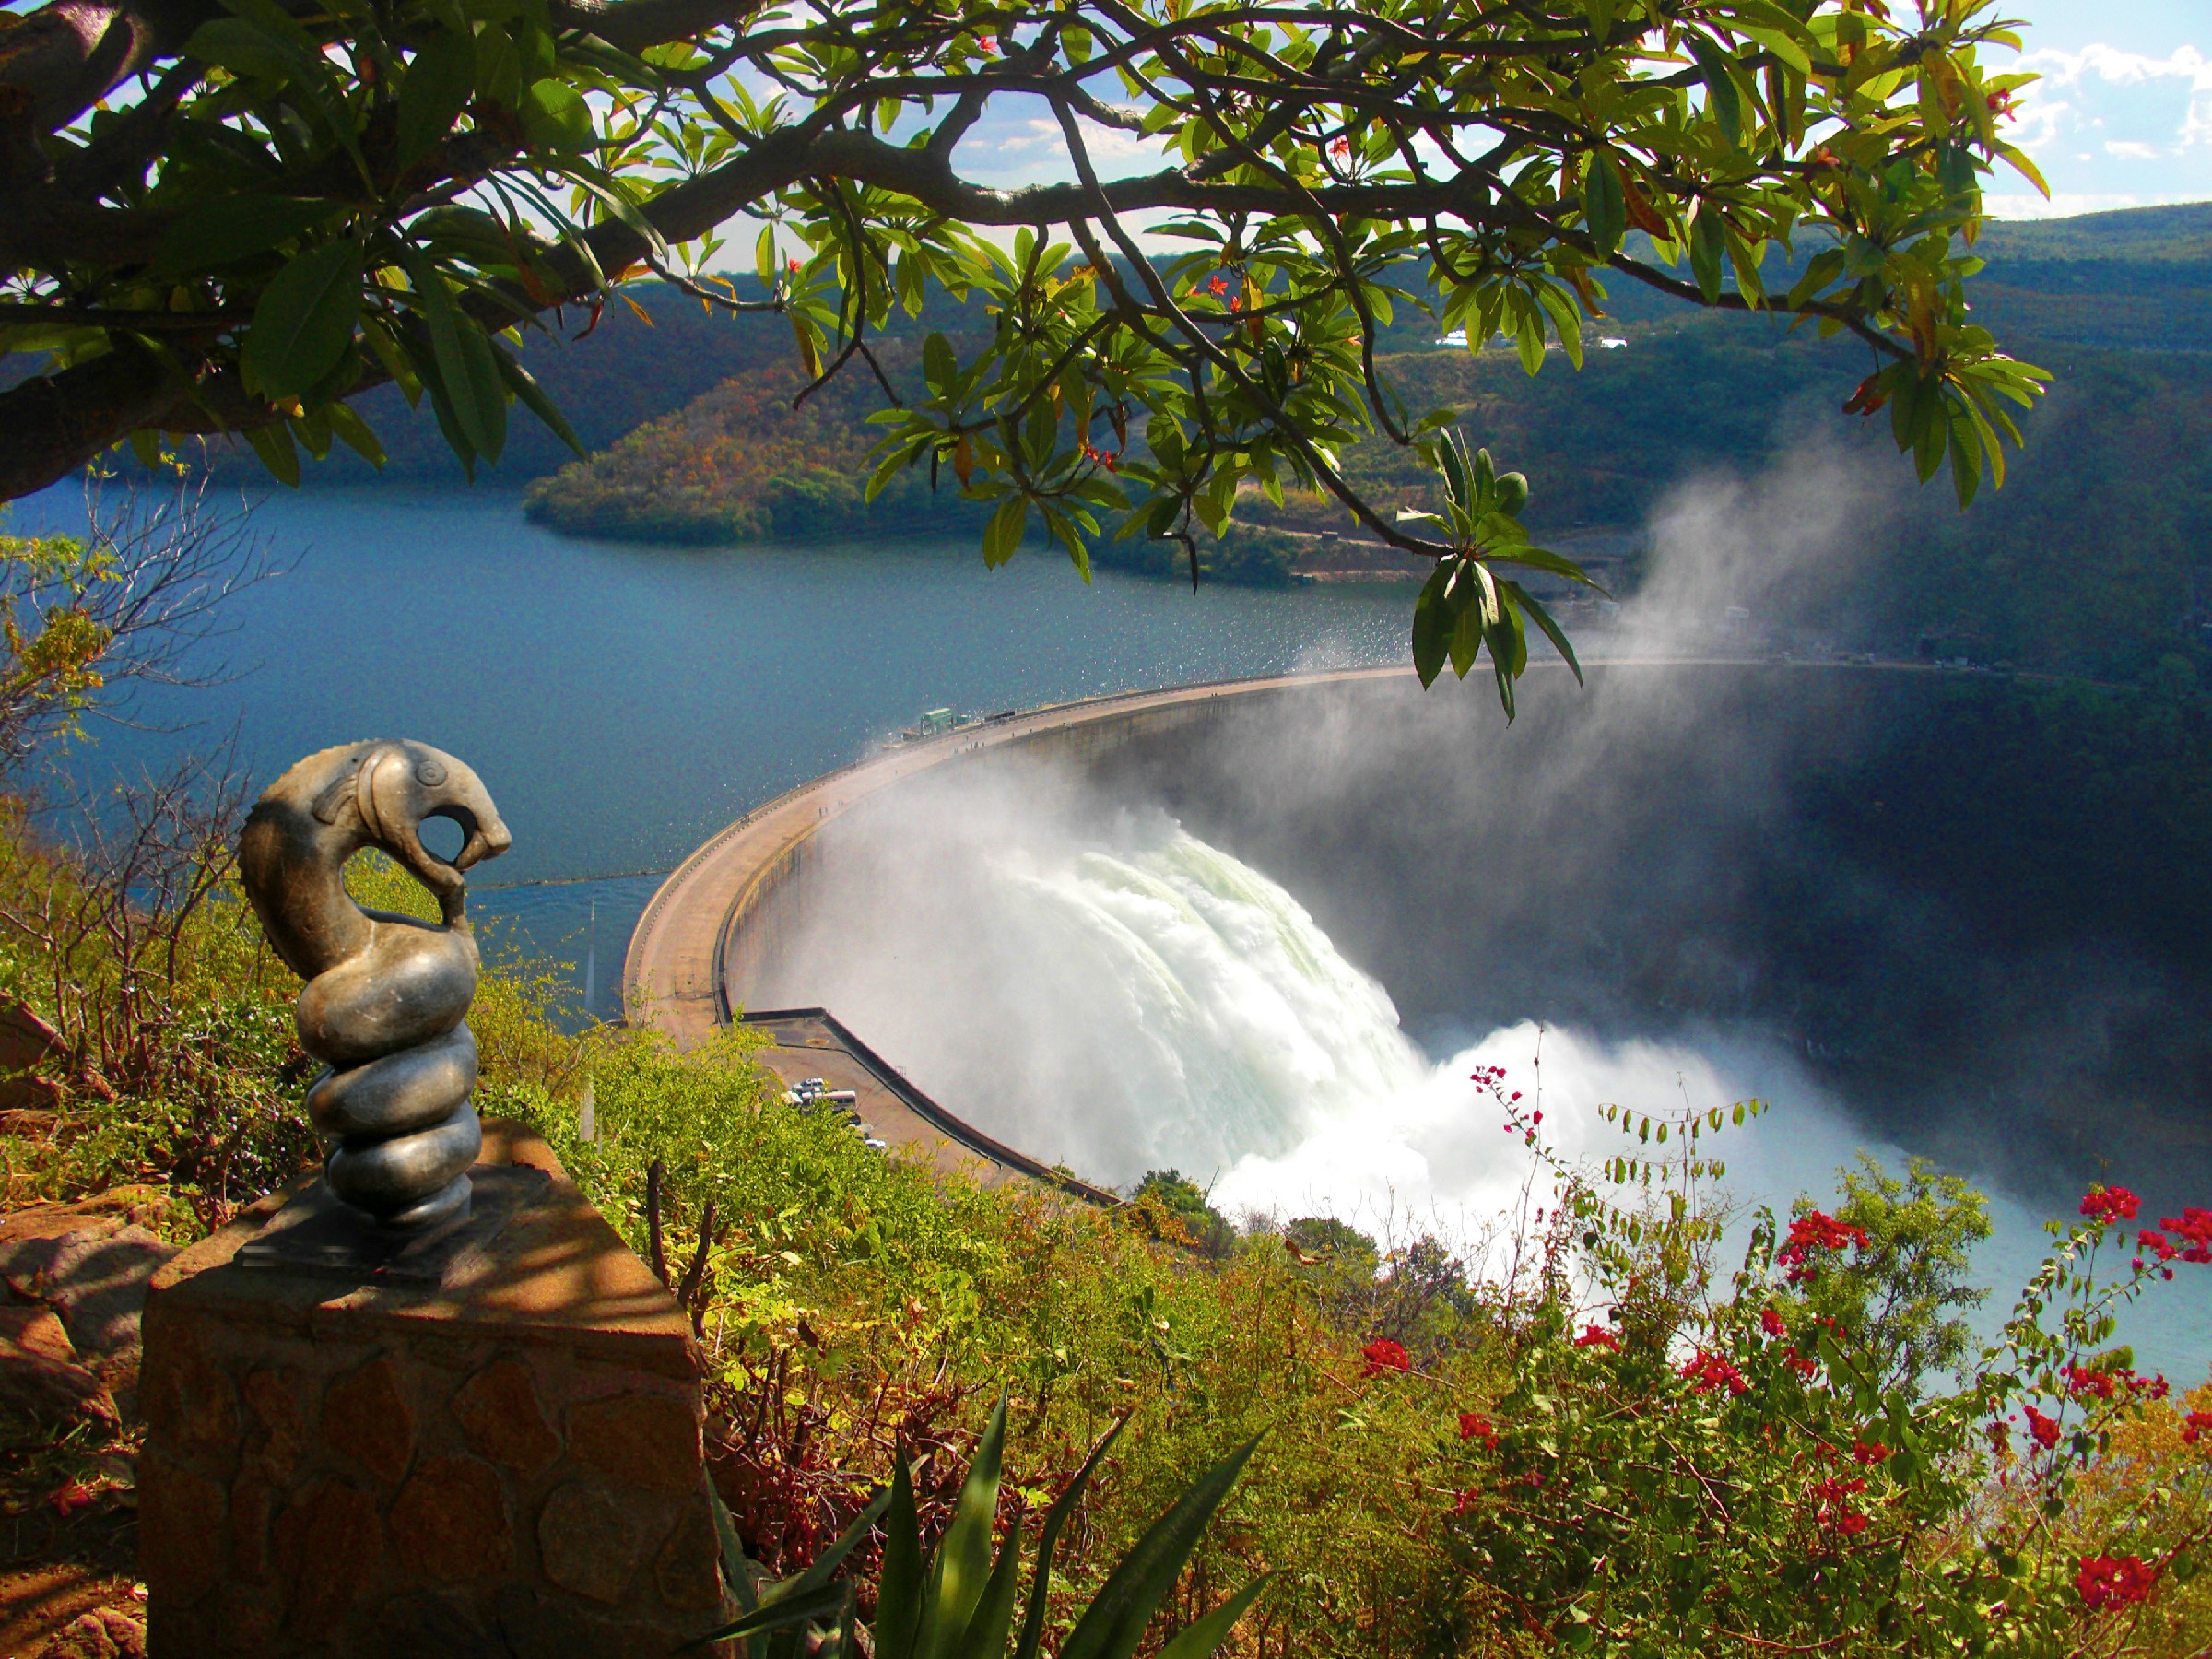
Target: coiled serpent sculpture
{"points": [[387, 996]]}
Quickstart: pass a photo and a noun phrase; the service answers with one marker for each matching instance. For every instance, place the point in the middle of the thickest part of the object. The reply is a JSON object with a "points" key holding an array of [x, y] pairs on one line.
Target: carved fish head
{"points": [[399, 785]]}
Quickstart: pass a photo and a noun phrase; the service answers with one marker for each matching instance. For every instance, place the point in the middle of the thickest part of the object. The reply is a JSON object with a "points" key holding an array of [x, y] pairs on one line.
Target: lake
{"points": [[624, 702]]}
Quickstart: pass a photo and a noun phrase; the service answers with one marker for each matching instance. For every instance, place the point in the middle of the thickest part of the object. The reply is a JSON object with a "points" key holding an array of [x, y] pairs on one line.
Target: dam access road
{"points": [[687, 968]]}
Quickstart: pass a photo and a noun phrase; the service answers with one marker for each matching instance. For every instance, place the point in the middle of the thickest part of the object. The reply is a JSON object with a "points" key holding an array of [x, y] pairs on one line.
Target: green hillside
{"points": [[2095, 558]]}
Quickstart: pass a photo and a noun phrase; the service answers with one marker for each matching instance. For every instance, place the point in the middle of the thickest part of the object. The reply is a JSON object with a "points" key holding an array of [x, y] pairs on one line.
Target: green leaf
{"points": [[555, 116], [1032, 1624], [303, 322], [1432, 624], [764, 258], [534, 398], [963, 1558], [235, 228], [1003, 535], [786, 1613], [435, 90], [1114, 1622], [353, 432], [273, 445], [986, 1634], [1204, 1638], [898, 1583], [1605, 205], [940, 367], [1708, 248], [465, 366], [1558, 637], [237, 45]]}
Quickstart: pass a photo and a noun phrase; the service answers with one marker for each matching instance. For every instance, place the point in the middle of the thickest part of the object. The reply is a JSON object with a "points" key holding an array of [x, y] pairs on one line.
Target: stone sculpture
{"points": [[387, 996]]}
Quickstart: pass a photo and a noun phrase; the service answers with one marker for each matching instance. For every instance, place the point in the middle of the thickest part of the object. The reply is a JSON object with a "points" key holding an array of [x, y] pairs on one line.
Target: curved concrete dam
{"points": [[1052, 938]]}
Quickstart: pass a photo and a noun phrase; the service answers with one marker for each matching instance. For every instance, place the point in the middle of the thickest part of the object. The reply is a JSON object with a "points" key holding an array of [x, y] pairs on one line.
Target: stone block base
{"points": [[507, 1466]]}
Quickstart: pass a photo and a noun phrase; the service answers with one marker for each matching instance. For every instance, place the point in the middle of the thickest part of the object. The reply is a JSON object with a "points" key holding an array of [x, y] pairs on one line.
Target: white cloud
{"points": [[2110, 123]]}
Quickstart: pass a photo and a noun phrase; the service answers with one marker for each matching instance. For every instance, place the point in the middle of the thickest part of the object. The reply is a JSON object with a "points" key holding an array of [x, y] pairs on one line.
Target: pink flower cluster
{"points": [[2086, 1383], [1383, 1355], [2043, 1428], [2114, 1581], [1708, 1371], [1596, 1335], [2110, 1204], [1474, 1426], [1814, 1232], [2194, 1427], [1832, 1499]]}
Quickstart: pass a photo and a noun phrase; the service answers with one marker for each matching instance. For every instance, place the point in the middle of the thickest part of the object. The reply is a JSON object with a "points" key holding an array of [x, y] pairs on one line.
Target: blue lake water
{"points": [[623, 701]]}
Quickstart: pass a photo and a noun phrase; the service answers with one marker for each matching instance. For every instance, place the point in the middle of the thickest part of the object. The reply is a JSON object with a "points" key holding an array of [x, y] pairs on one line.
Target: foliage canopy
{"points": [[234, 217]]}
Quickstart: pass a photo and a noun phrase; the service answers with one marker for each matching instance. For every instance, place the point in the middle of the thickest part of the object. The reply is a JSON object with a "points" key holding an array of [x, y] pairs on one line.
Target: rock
{"points": [[95, 1278], [637, 1440], [329, 1545], [449, 1521], [40, 1375], [183, 1538], [190, 1403], [24, 1037], [103, 1633], [588, 1542], [278, 1429], [689, 1568], [365, 1416], [498, 1409]]}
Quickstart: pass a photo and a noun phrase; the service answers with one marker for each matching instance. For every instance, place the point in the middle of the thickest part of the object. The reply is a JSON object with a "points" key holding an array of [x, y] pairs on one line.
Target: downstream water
{"points": [[1114, 993]]}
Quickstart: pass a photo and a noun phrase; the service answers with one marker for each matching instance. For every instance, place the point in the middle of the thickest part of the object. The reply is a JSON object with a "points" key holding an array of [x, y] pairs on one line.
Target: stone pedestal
{"points": [[509, 1464]]}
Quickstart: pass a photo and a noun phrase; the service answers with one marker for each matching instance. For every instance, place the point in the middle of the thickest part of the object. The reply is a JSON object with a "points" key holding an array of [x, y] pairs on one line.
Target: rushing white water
{"points": [[1106, 990]]}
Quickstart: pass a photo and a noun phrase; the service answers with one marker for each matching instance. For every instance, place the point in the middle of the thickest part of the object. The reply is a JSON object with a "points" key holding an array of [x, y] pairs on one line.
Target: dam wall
{"points": [[712, 933]]}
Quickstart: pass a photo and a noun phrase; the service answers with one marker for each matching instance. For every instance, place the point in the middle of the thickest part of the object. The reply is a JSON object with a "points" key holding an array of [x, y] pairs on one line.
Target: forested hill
{"points": [[2140, 280]]}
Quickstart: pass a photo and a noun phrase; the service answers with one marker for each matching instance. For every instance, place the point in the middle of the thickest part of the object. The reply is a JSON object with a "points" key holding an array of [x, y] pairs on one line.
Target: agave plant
{"points": [[958, 1603]]}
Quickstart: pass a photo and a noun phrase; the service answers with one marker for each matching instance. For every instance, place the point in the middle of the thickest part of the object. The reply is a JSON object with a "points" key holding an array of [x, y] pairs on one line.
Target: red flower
{"points": [[1340, 147], [1596, 1335], [1383, 1355], [2110, 1204], [1861, 1452], [1218, 285], [1473, 1426], [2195, 1226], [1812, 1232], [2195, 1425], [2044, 1430], [71, 1497], [1831, 1498], [794, 265], [2110, 1582], [1708, 1371], [1771, 1322]]}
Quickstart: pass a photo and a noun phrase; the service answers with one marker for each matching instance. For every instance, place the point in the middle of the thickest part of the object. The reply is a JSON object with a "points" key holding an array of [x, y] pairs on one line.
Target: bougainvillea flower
{"points": [[2110, 1204], [2114, 1581], [1814, 1231], [1596, 1335], [1708, 1371], [2044, 1430], [1771, 1322], [1473, 1426], [2195, 1425], [1861, 1452], [1383, 1355]]}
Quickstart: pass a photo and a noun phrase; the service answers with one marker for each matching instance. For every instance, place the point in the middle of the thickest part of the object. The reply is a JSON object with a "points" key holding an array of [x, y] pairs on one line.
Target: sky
{"points": [[2122, 118]]}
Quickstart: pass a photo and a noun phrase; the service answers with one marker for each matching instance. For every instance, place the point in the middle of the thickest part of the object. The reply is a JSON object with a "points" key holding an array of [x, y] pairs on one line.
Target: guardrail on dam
{"points": [[714, 919]]}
